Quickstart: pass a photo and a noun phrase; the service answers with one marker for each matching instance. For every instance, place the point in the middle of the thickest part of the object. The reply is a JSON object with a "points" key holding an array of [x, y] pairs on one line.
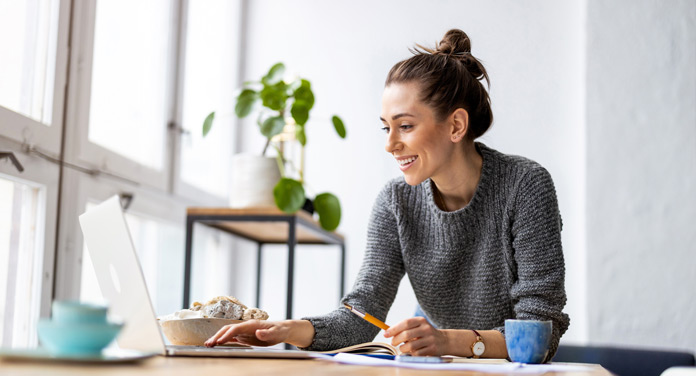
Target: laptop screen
{"points": [[120, 277]]}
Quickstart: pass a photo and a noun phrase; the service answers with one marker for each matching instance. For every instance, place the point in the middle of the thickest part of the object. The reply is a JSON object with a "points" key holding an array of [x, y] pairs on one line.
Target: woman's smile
{"points": [[406, 162]]}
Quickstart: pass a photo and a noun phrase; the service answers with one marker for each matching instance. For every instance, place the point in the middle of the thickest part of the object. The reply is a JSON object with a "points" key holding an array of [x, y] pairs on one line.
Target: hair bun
{"points": [[455, 42]]}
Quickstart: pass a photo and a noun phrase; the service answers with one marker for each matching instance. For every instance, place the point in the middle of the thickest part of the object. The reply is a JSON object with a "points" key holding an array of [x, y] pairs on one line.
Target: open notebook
{"points": [[367, 348]]}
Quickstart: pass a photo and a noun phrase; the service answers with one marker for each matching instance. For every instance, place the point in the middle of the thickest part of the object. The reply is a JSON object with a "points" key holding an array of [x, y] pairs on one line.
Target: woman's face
{"points": [[422, 146]]}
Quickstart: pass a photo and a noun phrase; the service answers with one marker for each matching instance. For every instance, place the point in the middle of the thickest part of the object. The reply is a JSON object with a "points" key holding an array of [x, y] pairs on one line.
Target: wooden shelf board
{"points": [[308, 229]]}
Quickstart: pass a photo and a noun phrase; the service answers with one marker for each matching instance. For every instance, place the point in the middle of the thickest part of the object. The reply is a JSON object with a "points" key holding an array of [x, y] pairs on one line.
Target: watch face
{"points": [[479, 348]]}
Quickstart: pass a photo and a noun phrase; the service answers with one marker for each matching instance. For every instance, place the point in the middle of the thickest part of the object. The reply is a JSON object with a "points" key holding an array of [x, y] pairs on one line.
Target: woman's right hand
{"points": [[265, 333], [252, 333]]}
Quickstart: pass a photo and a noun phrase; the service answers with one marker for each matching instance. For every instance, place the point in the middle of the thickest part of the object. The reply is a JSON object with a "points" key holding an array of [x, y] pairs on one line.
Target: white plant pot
{"points": [[253, 179]]}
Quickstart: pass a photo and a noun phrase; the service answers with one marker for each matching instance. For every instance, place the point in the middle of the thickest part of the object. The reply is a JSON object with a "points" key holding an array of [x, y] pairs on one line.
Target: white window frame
{"points": [[26, 130], [39, 173], [80, 150], [180, 187]]}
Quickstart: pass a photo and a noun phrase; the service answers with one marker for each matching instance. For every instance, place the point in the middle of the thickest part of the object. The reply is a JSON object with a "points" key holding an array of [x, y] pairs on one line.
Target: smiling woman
{"points": [[476, 231], [422, 146]]}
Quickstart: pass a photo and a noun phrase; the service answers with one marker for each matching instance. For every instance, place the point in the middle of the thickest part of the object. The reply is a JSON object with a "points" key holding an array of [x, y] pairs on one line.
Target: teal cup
{"points": [[73, 312], [528, 341], [77, 329]]}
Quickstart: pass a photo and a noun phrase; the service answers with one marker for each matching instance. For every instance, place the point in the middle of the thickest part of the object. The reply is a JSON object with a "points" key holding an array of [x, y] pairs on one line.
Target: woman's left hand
{"points": [[417, 337]]}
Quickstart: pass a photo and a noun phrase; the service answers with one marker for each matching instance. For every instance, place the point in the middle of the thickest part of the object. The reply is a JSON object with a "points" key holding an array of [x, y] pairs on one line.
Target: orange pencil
{"points": [[368, 317]]}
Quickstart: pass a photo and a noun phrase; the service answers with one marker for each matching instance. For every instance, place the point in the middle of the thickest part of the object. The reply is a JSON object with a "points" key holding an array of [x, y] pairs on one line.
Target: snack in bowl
{"points": [[193, 326]]}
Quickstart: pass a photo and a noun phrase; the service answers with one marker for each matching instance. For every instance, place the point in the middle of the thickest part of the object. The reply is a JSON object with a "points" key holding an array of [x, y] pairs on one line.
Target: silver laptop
{"points": [[123, 285]]}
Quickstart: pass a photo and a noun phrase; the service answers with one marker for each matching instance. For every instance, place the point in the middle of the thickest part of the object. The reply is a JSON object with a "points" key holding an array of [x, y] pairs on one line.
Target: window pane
{"points": [[129, 78], [28, 34], [20, 263], [209, 85]]}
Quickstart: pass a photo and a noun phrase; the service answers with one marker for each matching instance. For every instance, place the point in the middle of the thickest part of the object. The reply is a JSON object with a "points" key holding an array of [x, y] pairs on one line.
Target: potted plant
{"points": [[283, 108]]}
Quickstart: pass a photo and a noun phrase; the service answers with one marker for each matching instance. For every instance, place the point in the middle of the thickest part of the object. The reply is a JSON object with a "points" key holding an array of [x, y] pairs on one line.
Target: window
{"points": [[128, 106], [32, 60], [125, 67], [28, 52], [210, 81], [21, 250]]}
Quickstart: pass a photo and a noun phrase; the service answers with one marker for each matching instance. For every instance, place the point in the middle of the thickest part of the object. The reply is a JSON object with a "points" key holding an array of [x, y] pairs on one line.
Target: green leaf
{"points": [[300, 112], [289, 195], [274, 75], [300, 134], [274, 96], [338, 125], [304, 95], [208, 123], [329, 209], [272, 126], [245, 102]]}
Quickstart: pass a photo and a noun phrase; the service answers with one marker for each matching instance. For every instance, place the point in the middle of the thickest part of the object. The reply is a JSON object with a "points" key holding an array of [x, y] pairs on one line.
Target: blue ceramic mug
{"points": [[74, 312], [528, 341], [77, 329]]}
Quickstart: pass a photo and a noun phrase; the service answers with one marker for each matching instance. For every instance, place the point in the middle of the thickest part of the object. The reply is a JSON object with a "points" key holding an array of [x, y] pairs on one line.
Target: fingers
{"points": [[228, 333], [412, 322], [212, 341], [420, 347], [409, 335], [416, 336], [252, 333], [225, 334], [408, 330], [229, 336]]}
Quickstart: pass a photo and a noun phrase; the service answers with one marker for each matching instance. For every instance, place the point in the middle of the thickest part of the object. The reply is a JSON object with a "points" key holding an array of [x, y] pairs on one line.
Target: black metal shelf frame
{"points": [[292, 220]]}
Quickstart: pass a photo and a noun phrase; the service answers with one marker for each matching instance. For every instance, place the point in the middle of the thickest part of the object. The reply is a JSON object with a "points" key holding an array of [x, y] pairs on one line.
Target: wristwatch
{"points": [[478, 347]]}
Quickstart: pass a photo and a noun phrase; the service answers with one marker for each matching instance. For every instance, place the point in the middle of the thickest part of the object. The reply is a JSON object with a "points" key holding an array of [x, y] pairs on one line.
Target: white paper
{"points": [[492, 368]]}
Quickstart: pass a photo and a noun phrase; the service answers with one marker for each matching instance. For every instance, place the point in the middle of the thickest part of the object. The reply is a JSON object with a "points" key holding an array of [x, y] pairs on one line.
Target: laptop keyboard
{"points": [[207, 349]]}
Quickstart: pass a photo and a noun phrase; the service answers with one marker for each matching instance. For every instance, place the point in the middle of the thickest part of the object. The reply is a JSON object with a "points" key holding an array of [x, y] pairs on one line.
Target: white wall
{"points": [[534, 54], [641, 192]]}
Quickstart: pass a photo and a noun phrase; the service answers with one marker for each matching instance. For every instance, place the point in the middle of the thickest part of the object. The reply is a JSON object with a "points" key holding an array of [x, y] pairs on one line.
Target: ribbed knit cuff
{"points": [[320, 340]]}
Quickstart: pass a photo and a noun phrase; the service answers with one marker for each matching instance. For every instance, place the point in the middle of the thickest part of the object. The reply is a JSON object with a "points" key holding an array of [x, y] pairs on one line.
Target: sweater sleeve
{"points": [[538, 293], [375, 287]]}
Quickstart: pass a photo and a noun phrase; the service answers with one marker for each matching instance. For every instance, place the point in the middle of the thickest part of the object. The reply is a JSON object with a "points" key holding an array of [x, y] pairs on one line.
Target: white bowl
{"points": [[193, 332]]}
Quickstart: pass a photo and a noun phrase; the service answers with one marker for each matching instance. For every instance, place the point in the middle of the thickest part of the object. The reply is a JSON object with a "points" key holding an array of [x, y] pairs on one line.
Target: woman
{"points": [[476, 231]]}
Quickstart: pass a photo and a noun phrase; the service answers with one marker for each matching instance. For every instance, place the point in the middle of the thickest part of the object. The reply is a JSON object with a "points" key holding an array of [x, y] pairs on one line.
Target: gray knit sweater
{"points": [[499, 257]]}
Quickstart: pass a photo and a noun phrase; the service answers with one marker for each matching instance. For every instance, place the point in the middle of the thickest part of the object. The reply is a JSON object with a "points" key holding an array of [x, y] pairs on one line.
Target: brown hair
{"points": [[449, 77]]}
